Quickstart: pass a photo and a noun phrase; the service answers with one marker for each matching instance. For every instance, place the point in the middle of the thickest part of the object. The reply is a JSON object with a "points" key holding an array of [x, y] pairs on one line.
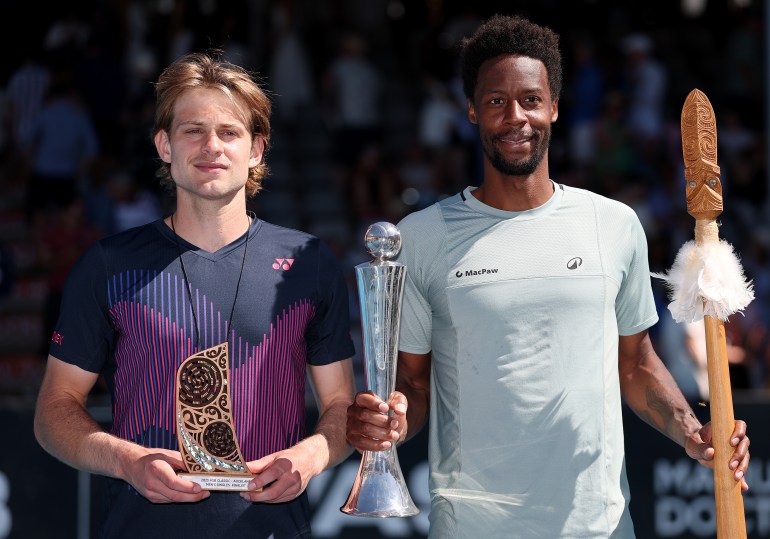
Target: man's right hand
{"points": [[374, 425], [152, 472]]}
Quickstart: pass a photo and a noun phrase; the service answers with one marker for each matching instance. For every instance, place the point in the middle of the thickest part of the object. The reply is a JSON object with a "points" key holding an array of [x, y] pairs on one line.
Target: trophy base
{"points": [[380, 496], [232, 482], [379, 489]]}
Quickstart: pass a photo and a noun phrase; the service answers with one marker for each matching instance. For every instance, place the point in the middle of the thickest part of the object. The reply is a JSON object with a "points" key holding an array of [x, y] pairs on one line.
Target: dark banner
{"points": [[672, 495]]}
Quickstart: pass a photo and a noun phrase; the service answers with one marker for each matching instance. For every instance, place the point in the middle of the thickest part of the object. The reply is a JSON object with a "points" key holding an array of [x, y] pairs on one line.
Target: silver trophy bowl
{"points": [[379, 489]]}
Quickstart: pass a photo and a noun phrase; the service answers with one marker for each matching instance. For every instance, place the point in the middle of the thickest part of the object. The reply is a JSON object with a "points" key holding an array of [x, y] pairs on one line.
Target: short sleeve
{"points": [[83, 334], [328, 335]]}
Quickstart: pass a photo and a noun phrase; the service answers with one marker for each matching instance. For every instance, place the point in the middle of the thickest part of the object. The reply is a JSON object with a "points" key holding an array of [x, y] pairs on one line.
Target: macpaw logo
{"points": [[472, 273]]}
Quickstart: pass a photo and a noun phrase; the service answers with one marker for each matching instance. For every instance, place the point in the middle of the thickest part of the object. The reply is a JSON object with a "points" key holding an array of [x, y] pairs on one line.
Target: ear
{"points": [[472, 112], [163, 146], [257, 151], [555, 111]]}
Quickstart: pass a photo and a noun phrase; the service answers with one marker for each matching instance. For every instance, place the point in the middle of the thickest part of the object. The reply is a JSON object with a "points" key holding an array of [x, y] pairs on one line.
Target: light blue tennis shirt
{"points": [[521, 312]]}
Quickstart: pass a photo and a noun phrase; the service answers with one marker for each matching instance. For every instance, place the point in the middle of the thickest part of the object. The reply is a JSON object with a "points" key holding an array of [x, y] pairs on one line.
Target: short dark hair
{"points": [[503, 34]]}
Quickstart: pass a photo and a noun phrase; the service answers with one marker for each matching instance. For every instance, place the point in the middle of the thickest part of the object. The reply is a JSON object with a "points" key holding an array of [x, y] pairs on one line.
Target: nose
{"points": [[212, 143], [514, 113]]}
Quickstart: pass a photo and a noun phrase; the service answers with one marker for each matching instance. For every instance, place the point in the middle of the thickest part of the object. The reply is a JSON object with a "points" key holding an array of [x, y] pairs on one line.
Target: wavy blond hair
{"points": [[209, 70]]}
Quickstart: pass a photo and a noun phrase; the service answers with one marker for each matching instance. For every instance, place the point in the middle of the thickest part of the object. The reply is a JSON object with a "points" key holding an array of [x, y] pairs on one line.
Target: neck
{"points": [[209, 229], [515, 193]]}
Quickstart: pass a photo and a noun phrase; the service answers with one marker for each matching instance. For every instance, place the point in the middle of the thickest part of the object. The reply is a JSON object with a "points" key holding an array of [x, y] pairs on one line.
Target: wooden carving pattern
{"points": [[699, 149], [205, 427]]}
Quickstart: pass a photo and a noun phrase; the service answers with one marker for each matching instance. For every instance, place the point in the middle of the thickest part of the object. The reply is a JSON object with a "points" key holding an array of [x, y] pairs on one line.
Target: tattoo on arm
{"points": [[670, 413], [661, 416]]}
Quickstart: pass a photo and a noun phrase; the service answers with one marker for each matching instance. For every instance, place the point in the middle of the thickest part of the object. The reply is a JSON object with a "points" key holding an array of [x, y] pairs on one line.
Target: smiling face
{"points": [[513, 108], [209, 146]]}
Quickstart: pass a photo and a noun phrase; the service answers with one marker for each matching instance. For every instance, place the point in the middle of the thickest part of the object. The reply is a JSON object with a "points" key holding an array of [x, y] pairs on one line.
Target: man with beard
{"points": [[524, 323]]}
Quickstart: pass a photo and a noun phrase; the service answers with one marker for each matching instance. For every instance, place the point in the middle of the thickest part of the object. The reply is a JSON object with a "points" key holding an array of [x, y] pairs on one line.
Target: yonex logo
{"points": [[575, 263], [283, 263]]}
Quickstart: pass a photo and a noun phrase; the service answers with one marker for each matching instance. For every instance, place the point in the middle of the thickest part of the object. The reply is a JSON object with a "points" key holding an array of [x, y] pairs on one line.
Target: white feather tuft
{"points": [[706, 280]]}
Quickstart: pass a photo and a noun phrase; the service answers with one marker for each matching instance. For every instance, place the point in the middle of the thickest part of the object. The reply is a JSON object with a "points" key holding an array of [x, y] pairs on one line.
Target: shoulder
{"points": [[139, 236], [277, 233], [430, 220], [417, 220], [424, 234], [285, 241], [600, 204], [421, 228]]}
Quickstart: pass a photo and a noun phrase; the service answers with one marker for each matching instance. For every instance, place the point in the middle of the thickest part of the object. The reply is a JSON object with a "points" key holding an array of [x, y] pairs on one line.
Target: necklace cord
{"points": [[189, 284]]}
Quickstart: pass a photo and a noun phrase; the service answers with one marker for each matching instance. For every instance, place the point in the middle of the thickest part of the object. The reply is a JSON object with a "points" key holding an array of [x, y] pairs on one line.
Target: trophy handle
{"points": [[379, 489]]}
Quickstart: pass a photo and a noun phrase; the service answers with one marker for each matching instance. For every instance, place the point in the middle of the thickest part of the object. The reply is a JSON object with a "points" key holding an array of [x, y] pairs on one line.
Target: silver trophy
{"points": [[379, 489]]}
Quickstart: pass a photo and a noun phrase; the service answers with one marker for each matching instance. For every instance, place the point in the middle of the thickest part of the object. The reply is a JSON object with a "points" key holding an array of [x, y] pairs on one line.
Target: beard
{"points": [[522, 167]]}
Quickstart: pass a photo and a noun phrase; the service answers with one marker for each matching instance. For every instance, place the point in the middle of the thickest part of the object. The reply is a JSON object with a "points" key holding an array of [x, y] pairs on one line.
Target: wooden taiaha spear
{"points": [[707, 282]]}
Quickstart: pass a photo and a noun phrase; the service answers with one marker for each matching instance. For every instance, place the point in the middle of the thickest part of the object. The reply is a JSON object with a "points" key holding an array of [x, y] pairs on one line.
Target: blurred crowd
{"points": [[369, 124]]}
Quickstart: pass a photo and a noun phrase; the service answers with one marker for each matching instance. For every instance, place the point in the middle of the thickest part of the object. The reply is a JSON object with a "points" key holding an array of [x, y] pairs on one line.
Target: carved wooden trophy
{"points": [[204, 422]]}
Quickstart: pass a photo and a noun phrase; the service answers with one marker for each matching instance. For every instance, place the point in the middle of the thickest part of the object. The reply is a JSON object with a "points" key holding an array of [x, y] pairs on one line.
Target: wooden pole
{"points": [[704, 203]]}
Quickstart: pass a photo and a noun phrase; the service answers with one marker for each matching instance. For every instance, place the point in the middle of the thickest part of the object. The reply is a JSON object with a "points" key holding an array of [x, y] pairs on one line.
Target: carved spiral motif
{"points": [[216, 355], [699, 139], [219, 439], [707, 139], [200, 381]]}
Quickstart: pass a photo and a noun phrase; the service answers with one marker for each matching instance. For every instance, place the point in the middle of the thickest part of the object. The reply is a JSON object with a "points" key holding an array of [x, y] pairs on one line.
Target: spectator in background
{"points": [[417, 170], [25, 94], [291, 76], [645, 81], [742, 159], [735, 137], [741, 77], [438, 117], [352, 88], [614, 154], [374, 188], [695, 344], [584, 96], [63, 145], [101, 82], [133, 205], [442, 128], [671, 338], [116, 201], [67, 35]]}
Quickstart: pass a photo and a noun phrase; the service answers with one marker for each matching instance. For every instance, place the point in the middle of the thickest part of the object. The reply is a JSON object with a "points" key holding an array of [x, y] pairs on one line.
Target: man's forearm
{"points": [[417, 410], [329, 436], [657, 399], [66, 430]]}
